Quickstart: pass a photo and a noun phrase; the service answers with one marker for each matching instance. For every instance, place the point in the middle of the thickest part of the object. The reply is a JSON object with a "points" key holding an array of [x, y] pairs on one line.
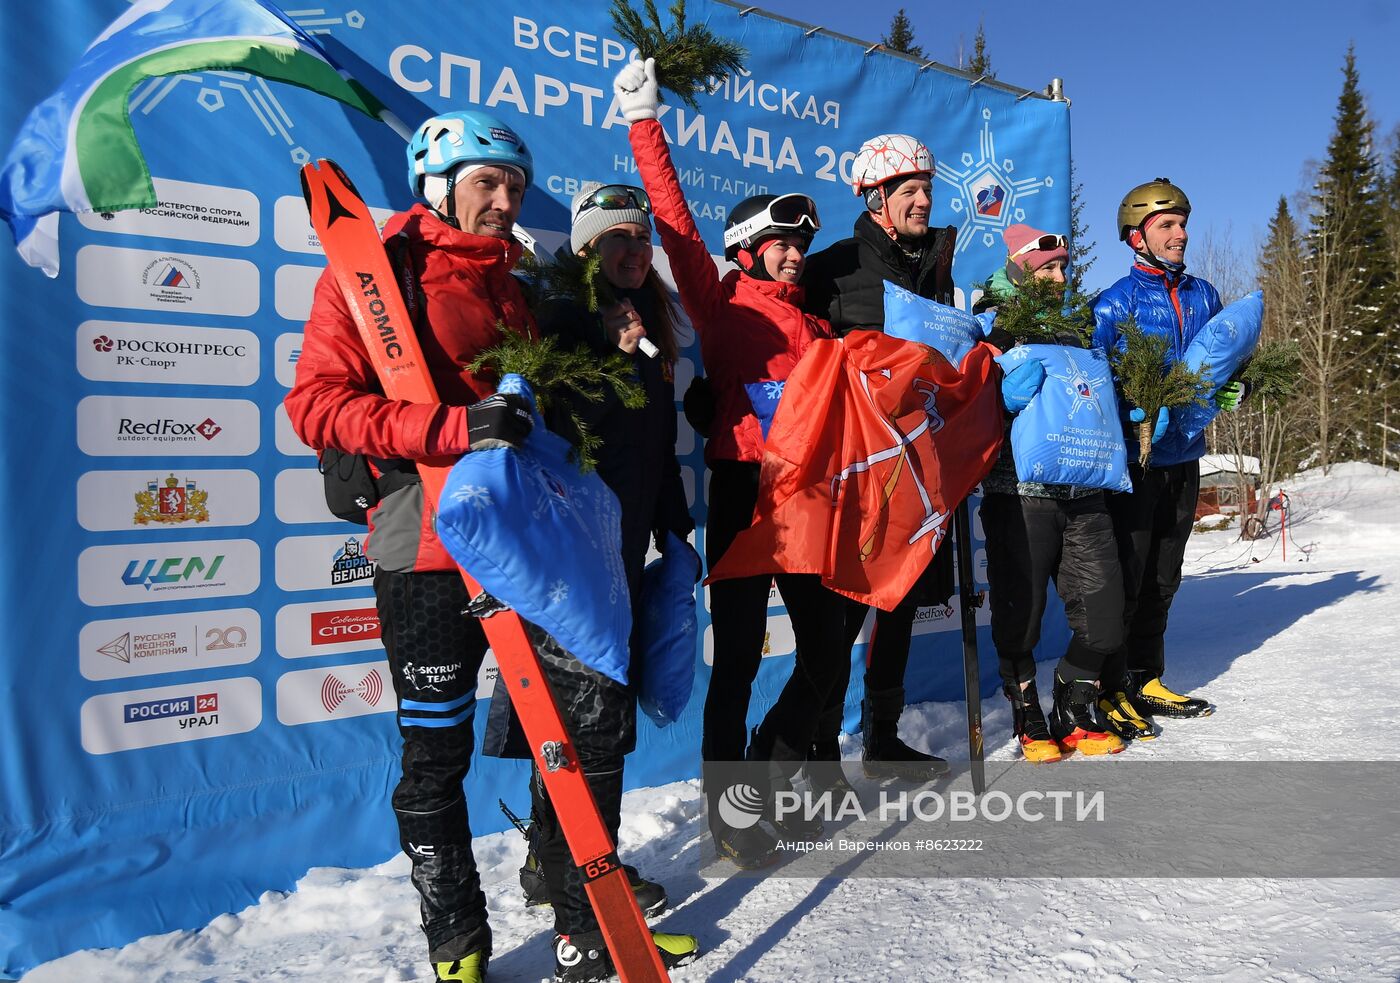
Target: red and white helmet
{"points": [[889, 155]]}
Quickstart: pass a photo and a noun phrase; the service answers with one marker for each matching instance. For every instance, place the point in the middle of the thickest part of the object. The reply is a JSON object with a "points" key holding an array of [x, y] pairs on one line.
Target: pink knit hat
{"points": [[1031, 248]]}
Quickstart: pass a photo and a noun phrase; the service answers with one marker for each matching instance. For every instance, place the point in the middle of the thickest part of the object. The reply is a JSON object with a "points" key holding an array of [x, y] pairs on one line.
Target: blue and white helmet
{"points": [[444, 142]]}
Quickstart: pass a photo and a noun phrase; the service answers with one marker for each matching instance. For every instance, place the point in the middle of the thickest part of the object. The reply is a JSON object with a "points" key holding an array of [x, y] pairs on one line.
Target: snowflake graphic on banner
{"points": [[265, 106], [558, 592], [475, 495], [774, 390], [988, 198]]}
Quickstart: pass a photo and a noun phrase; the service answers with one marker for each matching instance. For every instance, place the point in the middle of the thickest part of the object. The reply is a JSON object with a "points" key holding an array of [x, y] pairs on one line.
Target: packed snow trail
{"points": [[1298, 658]]}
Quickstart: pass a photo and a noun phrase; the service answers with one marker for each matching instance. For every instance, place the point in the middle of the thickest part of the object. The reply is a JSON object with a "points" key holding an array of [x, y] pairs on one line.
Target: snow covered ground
{"points": [[1297, 656]]}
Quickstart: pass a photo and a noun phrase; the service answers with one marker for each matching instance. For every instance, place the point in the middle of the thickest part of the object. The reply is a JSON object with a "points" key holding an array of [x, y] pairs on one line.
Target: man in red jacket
{"points": [[473, 170]]}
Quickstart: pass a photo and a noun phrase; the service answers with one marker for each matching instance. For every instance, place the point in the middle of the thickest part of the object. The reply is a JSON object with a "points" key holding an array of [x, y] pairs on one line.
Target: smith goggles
{"points": [[794, 212]]}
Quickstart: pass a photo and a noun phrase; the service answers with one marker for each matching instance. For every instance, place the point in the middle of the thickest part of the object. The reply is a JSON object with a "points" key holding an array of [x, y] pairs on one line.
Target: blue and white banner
{"points": [[194, 702]]}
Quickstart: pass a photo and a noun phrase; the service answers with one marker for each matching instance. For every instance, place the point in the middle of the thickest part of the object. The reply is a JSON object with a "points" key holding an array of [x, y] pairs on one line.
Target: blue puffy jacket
{"points": [[1176, 308]]}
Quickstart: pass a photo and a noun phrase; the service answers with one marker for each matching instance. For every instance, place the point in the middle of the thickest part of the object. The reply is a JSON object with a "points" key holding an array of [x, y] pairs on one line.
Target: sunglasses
{"points": [[614, 197], [1043, 243]]}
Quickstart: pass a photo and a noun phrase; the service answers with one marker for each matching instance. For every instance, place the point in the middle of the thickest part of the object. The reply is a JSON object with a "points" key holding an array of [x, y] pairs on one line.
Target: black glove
{"points": [[501, 420], [699, 404]]}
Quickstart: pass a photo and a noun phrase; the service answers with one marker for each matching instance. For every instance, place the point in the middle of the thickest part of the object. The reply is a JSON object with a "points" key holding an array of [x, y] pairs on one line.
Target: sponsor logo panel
{"points": [[319, 562], [300, 496], [287, 440], [286, 353], [111, 501], [291, 226], [294, 287], [126, 647], [777, 640], [151, 280], [142, 573], [309, 696], [346, 624], [118, 351], [196, 212], [146, 426], [170, 715]]}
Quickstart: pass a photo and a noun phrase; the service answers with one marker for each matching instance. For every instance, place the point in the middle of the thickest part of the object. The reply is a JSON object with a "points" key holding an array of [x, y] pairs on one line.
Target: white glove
{"points": [[635, 89]]}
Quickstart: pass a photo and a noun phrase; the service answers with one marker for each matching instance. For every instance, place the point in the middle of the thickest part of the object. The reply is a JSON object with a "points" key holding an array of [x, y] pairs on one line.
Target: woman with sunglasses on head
{"points": [[1039, 532], [752, 330], [636, 458]]}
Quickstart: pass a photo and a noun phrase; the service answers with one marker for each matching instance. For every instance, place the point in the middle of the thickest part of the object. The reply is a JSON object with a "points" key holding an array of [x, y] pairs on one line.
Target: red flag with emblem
{"points": [[874, 443]]}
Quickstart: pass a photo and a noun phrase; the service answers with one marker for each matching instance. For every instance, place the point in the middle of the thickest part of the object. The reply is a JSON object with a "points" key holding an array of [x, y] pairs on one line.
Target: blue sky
{"points": [[1229, 99]]}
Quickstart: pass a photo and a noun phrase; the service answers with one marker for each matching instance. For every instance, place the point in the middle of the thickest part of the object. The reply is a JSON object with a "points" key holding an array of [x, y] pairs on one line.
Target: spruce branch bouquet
{"points": [[1140, 366], [554, 374], [1043, 311], [1273, 371], [576, 280], [686, 57]]}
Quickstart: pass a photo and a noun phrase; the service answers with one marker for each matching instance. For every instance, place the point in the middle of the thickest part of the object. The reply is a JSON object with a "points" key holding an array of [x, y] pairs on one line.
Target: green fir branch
{"points": [[1141, 367], [687, 58], [1274, 369], [576, 280], [1043, 311], [558, 374]]}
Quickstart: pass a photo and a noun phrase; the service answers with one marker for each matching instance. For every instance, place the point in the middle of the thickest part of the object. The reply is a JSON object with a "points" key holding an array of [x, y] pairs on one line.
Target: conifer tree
{"points": [[1081, 247], [1349, 222], [901, 36], [980, 63]]}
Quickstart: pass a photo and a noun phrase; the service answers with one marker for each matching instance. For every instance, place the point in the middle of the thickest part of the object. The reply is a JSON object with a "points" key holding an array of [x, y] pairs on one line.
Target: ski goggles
{"points": [[615, 197], [793, 212], [1044, 243]]}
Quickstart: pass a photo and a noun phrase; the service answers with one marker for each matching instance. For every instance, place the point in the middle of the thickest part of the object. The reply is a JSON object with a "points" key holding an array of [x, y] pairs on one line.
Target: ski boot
{"points": [[1028, 723], [885, 755], [583, 956], [748, 849], [469, 969], [1120, 717], [651, 896], [1072, 722], [1152, 699], [783, 763]]}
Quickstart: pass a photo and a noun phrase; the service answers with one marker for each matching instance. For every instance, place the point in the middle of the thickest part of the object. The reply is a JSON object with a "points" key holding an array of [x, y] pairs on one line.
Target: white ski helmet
{"points": [[887, 156]]}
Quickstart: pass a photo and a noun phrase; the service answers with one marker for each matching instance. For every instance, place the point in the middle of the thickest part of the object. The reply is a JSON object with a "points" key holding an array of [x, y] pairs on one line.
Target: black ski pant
{"points": [[1151, 525], [1032, 541], [739, 619], [887, 656], [435, 654], [601, 716]]}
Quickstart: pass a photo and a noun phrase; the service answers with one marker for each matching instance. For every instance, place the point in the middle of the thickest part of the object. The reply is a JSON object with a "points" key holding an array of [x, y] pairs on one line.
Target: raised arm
{"points": [[696, 277]]}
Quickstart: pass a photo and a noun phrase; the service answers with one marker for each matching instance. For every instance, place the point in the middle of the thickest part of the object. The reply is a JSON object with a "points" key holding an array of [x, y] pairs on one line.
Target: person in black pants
{"points": [[892, 241], [1154, 522], [1037, 532], [752, 331]]}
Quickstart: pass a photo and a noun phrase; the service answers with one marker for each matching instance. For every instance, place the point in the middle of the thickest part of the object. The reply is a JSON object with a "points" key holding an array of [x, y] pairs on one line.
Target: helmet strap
{"points": [[450, 202]]}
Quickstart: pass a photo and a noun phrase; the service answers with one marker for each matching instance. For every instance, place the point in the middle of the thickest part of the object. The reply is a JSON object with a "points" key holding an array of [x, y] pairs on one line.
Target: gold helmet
{"points": [[1158, 195]]}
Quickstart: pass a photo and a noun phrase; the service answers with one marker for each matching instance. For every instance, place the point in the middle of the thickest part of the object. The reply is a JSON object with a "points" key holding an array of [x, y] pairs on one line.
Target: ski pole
{"points": [[515, 820], [962, 542]]}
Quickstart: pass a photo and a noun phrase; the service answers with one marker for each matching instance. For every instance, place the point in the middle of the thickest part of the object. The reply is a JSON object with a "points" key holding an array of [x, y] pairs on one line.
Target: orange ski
{"points": [[361, 267]]}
